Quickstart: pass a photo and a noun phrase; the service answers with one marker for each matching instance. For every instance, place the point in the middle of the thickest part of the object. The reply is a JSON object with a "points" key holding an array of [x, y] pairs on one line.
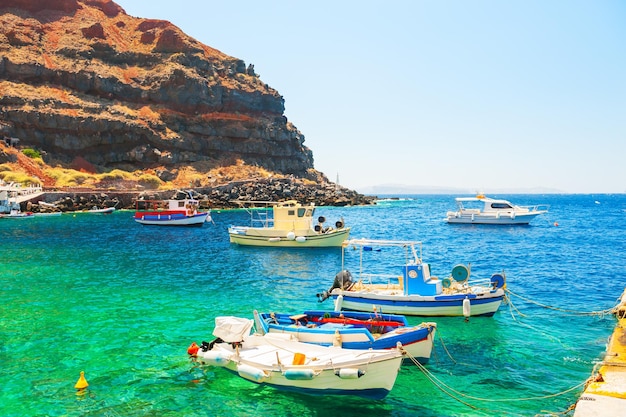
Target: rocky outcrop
{"points": [[223, 196], [81, 78]]}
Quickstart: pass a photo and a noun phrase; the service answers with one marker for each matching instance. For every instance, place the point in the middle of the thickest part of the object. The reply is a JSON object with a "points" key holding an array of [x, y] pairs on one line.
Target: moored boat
{"points": [[12, 194], [103, 210], [415, 292], [287, 224], [49, 214], [352, 330], [283, 363], [17, 214], [184, 212], [485, 210]]}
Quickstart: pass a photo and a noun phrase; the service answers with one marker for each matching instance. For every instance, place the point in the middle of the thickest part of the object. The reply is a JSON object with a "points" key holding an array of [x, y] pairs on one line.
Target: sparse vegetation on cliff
{"points": [[95, 90]]}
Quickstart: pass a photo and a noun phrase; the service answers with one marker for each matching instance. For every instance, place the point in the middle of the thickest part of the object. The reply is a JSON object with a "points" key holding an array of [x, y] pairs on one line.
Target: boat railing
{"points": [[380, 278], [262, 219], [481, 282], [469, 210], [537, 207]]}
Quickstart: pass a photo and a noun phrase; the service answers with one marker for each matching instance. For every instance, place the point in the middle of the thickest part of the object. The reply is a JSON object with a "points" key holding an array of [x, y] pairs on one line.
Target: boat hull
{"points": [[175, 219], [354, 330], [17, 216], [106, 210], [249, 236], [505, 218], [325, 371], [414, 305]]}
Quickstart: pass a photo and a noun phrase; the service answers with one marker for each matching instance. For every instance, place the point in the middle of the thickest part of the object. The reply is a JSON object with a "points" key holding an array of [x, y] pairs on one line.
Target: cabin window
{"points": [[181, 204], [290, 212], [500, 206], [301, 212]]}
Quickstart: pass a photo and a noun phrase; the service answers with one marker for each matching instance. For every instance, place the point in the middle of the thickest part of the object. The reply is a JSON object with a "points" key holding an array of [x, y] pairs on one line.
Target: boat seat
{"points": [[335, 326]]}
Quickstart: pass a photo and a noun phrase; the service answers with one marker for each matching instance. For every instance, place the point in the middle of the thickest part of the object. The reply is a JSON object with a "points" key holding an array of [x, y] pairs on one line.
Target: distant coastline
{"points": [[400, 189]]}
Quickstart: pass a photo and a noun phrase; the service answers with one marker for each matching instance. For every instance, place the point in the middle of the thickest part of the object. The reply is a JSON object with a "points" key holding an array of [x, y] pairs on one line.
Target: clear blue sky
{"points": [[475, 95]]}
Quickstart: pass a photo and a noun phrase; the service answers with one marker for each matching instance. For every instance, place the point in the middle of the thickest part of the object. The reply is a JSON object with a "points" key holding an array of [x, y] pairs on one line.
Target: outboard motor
{"points": [[343, 281]]}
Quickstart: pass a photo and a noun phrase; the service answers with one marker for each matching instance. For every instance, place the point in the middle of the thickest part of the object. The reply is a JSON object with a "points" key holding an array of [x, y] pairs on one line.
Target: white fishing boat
{"points": [[287, 224], [414, 291], [184, 212], [485, 210], [352, 330], [48, 209], [278, 361], [49, 214], [17, 214], [98, 210], [12, 194]]}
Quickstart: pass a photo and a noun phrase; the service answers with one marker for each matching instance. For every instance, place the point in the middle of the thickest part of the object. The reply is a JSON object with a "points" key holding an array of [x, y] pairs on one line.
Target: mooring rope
{"points": [[600, 313], [445, 348], [547, 335], [450, 391]]}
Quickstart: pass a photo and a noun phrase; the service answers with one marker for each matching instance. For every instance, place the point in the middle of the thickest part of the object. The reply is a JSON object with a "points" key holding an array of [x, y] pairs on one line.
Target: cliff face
{"points": [[80, 79]]}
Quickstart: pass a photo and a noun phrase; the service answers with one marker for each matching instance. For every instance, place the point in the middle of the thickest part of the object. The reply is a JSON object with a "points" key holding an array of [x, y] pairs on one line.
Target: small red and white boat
{"points": [[171, 212]]}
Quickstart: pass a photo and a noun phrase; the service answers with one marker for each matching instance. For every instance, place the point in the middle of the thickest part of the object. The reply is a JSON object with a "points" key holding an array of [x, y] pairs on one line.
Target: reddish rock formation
{"points": [[81, 78]]}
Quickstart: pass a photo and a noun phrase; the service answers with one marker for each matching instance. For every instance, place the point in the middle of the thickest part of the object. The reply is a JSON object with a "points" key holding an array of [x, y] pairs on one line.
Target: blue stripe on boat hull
{"points": [[442, 306]]}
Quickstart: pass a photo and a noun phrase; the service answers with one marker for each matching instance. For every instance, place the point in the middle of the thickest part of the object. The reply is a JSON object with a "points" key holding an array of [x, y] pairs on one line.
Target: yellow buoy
{"points": [[82, 383]]}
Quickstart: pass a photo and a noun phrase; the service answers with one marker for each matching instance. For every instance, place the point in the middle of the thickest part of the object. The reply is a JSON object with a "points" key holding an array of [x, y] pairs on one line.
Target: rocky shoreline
{"points": [[218, 197]]}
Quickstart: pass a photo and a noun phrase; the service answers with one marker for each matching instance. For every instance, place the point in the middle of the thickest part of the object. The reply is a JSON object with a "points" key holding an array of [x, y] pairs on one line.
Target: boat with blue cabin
{"points": [[414, 291]]}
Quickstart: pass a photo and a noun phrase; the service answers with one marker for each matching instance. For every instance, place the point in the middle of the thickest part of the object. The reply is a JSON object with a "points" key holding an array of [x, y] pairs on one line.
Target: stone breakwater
{"points": [[217, 197]]}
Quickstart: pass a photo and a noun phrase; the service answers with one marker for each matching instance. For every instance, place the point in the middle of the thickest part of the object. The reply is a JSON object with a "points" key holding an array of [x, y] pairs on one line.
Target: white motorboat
{"points": [[103, 210], [278, 361], [485, 210], [287, 224]]}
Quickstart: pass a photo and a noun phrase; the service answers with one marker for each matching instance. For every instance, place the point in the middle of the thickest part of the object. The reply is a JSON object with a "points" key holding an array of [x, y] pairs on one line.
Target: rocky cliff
{"points": [[90, 86]]}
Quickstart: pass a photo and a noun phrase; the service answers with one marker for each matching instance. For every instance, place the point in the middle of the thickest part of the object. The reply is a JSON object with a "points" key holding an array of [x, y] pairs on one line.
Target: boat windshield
{"points": [[500, 206]]}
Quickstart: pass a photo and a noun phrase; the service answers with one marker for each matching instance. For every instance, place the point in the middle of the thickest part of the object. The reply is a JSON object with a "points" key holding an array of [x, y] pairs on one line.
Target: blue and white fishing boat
{"points": [[352, 330], [413, 292], [279, 361]]}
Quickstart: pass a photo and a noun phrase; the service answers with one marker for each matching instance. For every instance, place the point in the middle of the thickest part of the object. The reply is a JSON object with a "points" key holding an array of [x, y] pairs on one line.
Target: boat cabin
{"points": [[188, 206], [288, 216], [291, 215], [416, 279]]}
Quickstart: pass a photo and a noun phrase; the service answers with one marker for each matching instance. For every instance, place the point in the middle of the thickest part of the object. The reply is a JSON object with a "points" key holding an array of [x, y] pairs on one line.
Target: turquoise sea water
{"points": [[121, 301]]}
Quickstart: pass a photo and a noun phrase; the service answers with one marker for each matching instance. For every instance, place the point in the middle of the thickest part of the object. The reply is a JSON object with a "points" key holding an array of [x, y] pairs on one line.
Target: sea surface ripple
{"points": [[121, 301]]}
